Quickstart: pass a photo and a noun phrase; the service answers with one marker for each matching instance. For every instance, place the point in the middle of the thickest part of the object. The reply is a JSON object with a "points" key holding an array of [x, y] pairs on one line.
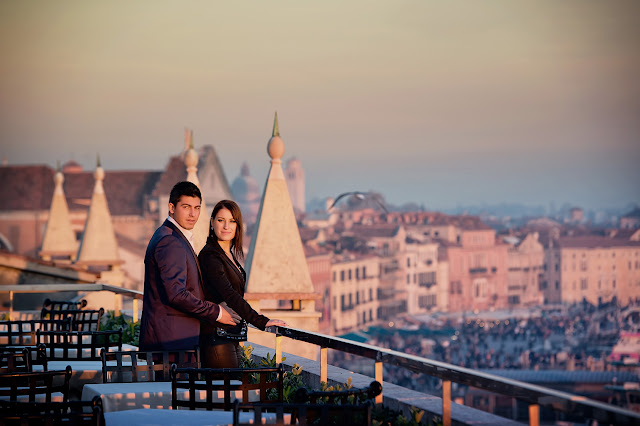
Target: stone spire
{"points": [[98, 246], [278, 279], [201, 229], [59, 238], [276, 262]]}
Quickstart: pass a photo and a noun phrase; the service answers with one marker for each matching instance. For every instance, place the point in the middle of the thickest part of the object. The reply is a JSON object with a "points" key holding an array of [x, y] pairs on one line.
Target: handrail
{"points": [[534, 395], [54, 288]]}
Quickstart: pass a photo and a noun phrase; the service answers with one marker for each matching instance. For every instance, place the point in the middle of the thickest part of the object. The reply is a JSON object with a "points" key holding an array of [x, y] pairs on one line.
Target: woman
{"points": [[224, 282]]}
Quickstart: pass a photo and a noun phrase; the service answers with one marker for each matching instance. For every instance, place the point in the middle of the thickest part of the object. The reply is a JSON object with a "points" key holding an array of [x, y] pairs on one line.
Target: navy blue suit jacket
{"points": [[173, 299]]}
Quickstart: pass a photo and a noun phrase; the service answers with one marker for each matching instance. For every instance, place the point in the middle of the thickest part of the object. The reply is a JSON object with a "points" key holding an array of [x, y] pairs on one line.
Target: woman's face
{"points": [[224, 225]]}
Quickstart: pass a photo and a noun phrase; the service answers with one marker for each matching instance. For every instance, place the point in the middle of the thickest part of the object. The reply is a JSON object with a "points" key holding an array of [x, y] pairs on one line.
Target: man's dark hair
{"points": [[184, 188]]}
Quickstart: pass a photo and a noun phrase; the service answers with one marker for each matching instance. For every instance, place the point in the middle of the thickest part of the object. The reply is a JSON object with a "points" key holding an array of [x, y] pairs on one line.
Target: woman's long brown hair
{"points": [[236, 243]]}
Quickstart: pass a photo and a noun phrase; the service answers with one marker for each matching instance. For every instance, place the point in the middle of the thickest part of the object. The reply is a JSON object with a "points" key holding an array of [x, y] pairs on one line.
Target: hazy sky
{"points": [[436, 102]]}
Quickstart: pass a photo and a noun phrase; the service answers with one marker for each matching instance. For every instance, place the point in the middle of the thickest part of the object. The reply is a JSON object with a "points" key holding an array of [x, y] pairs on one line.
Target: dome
{"points": [[245, 187]]}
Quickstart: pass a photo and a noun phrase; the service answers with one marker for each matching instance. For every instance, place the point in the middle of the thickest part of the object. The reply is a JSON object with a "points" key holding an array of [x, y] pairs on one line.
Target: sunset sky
{"points": [[435, 102]]}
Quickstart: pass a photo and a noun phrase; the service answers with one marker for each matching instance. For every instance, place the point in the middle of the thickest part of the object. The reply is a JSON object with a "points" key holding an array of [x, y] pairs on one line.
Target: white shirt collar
{"points": [[188, 234]]}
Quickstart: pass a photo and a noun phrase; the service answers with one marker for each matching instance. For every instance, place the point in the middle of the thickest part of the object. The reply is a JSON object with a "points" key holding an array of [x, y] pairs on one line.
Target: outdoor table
{"points": [[83, 371], [129, 396], [159, 417]]}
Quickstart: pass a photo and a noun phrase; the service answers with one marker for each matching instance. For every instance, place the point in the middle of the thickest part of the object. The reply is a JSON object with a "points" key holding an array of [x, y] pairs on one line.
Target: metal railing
{"points": [[535, 396], [118, 292]]}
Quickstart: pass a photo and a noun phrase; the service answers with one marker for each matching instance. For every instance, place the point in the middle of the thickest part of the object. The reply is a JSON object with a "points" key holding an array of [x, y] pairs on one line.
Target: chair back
{"points": [[79, 345], [210, 381], [145, 366], [13, 361], [88, 413], [23, 332], [32, 355], [81, 319], [14, 385], [63, 305], [303, 414]]}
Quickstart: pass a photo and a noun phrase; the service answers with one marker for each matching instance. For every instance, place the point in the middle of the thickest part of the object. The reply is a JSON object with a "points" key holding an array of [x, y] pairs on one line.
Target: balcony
{"points": [[436, 408]]}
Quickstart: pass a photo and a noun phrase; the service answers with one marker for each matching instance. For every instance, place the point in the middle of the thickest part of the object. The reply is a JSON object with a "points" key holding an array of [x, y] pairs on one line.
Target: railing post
{"points": [[323, 364], [378, 377], [11, 306], [534, 415], [446, 402], [135, 310], [278, 349]]}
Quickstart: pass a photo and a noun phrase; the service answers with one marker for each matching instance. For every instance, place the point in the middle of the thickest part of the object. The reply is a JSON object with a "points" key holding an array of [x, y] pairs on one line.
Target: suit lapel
{"points": [[169, 224]]}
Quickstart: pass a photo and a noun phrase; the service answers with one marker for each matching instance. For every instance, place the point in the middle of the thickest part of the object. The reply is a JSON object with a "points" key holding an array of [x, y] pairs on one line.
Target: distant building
{"points": [[525, 268], [294, 175], [594, 268], [354, 293], [246, 193], [631, 220]]}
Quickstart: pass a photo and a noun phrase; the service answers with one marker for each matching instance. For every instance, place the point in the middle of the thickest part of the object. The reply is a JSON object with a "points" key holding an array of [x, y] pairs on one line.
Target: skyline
{"points": [[438, 104]]}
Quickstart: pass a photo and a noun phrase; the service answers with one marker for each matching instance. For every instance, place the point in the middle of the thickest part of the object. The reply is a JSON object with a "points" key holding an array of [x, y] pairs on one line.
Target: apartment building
{"points": [[525, 263], [594, 268], [354, 292]]}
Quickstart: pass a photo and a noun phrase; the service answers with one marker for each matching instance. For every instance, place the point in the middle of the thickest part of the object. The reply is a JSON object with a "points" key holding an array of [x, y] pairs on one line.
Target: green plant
{"points": [[292, 380], [130, 329]]}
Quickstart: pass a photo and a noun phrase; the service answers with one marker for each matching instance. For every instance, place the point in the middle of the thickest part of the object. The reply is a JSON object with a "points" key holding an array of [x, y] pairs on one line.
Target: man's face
{"points": [[186, 212]]}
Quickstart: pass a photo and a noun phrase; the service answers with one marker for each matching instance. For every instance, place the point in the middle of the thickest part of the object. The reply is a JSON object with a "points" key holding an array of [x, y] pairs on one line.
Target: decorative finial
{"points": [[98, 161], [58, 168], [276, 131], [275, 147], [190, 139]]}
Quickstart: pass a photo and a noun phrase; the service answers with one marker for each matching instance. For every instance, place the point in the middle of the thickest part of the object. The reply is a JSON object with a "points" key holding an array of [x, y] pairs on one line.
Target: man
{"points": [[173, 295]]}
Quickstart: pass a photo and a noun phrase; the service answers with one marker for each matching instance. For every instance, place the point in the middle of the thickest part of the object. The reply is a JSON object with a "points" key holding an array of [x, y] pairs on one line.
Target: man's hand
{"points": [[234, 316], [277, 322]]}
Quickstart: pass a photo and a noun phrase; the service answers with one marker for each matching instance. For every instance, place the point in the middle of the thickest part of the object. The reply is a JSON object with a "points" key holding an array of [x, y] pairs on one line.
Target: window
{"points": [[349, 274], [370, 294], [341, 275], [334, 276], [364, 272]]}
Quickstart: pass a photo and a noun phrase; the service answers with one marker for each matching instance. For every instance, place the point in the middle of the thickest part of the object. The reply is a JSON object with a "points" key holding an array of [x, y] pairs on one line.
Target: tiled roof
{"points": [[594, 241], [31, 188], [26, 187], [174, 172]]}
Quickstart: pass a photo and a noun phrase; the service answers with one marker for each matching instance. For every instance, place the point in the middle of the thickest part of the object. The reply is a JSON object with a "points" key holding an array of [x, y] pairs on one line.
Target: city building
{"points": [[294, 175]]}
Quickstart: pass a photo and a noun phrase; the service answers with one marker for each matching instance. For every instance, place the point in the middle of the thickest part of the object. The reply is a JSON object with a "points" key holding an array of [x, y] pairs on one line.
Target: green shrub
{"points": [[130, 329]]}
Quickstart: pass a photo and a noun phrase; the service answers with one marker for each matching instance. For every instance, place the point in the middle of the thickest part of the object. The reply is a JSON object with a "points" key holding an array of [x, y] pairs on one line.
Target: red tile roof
{"points": [[26, 187], [31, 188]]}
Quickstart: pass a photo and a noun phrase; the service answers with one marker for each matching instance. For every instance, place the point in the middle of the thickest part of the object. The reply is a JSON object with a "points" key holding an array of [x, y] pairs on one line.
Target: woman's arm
{"points": [[216, 280]]}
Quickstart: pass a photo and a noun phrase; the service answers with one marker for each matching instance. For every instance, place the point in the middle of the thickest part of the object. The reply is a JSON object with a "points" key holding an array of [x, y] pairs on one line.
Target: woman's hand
{"points": [[277, 322]]}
